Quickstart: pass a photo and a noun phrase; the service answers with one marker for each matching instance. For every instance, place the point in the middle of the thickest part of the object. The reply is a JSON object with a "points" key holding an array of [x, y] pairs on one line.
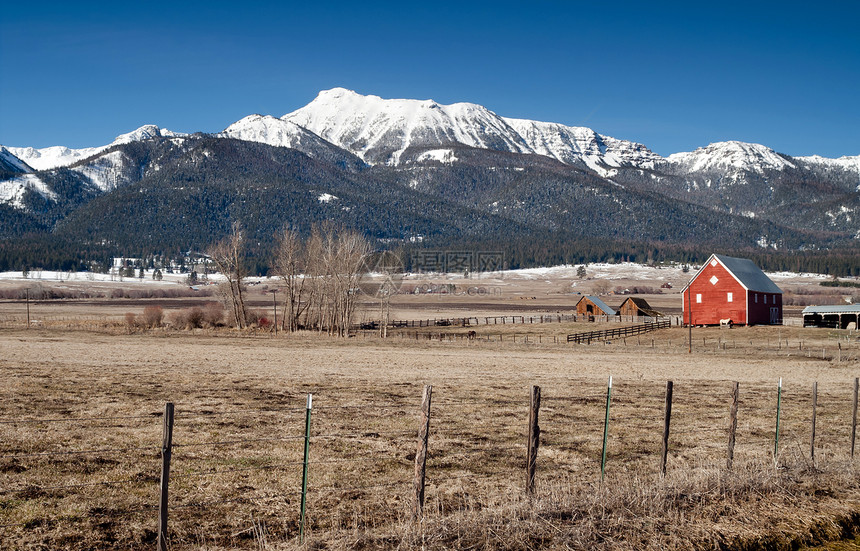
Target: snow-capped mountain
{"points": [[56, 156], [536, 173], [10, 163], [731, 157], [846, 164], [380, 130], [282, 133], [576, 144], [269, 130]]}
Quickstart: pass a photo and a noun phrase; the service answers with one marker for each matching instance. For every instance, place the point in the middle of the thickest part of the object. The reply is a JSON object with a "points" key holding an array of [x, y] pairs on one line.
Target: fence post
{"points": [[534, 439], [166, 449], [305, 467], [421, 454], [776, 433], [667, 418], [605, 429], [733, 424], [814, 412], [854, 415]]}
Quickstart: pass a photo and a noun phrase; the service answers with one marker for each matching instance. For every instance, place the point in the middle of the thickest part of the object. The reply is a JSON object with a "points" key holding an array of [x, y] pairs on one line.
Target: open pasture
{"points": [[81, 441], [82, 398]]}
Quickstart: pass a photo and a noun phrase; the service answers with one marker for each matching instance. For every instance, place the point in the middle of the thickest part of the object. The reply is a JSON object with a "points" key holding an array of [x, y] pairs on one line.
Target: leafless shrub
{"points": [[812, 297], [187, 319], [41, 292], [213, 315], [257, 318], [194, 318], [153, 316], [130, 321], [176, 319]]}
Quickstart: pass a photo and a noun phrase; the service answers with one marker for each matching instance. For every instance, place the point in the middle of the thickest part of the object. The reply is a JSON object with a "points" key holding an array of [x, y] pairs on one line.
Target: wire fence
{"points": [[364, 456]]}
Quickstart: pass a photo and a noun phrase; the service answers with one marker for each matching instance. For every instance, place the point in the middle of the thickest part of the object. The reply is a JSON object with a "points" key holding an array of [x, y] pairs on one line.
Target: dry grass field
{"points": [[82, 398]]}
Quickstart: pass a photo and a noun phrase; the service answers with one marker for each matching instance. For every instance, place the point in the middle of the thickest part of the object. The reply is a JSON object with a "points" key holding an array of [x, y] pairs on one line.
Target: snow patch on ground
{"points": [[35, 276]]}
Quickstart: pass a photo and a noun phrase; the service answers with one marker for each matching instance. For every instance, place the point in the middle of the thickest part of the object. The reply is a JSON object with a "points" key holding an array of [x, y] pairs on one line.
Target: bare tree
{"points": [[228, 256], [601, 287], [290, 263], [322, 278], [351, 250]]}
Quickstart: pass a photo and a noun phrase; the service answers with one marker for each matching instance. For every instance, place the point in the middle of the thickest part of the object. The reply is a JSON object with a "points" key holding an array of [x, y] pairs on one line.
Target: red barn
{"points": [[731, 288]]}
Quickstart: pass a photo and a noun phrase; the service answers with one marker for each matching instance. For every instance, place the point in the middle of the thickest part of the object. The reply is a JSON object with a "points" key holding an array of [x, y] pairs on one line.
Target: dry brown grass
{"points": [[231, 492]]}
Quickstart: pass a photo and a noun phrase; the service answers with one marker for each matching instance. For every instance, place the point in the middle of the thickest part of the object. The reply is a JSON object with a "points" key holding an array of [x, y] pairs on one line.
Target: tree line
{"points": [[321, 277]]}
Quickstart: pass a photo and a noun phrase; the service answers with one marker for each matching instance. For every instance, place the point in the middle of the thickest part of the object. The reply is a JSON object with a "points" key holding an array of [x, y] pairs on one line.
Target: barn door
{"points": [[774, 316]]}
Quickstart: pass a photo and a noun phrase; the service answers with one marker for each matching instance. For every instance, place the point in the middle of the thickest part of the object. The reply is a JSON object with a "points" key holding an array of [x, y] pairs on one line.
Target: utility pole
{"points": [[28, 307], [275, 307], [690, 313]]}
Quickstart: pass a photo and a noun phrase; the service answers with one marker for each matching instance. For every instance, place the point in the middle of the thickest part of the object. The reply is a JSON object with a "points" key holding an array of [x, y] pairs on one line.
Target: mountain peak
{"points": [[46, 158], [380, 130], [145, 132], [732, 154]]}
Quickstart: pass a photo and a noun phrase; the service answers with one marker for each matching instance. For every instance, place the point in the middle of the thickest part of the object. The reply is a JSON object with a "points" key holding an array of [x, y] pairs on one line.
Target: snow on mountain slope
{"points": [[107, 171], [12, 191], [280, 133], [851, 164], [380, 130], [146, 132], [731, 157], [56, 156], [268, 130], [574, 144], [8, 161]]}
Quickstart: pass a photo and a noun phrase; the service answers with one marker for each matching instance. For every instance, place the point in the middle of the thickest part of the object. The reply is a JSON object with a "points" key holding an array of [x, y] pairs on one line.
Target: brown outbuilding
{"points": [[593, 306], [634, 306]]}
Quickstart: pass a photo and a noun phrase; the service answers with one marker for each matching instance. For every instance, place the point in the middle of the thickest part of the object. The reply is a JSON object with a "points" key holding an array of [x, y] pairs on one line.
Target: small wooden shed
{"points": [[634, 306], [593, 306]]}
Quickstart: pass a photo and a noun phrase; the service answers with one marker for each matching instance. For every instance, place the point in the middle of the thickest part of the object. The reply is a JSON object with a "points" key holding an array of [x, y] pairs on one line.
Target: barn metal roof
{"points": [[745, 271], [748, 274], [600, 304], [833, 309]]}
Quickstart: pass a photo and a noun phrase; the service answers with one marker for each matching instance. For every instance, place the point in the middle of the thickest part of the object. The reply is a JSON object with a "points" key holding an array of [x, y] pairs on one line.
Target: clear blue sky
{"points": [[674, 76]]}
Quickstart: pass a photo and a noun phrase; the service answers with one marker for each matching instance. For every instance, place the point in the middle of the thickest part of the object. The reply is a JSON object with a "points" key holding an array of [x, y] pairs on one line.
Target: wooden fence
{"points": [[603, 334], [324, 450], [469, 321]]}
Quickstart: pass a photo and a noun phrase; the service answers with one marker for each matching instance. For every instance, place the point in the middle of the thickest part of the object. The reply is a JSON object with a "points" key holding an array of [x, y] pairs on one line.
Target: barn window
{"points": [[714, 263], [765, 299], [698, 297], [756, 298], [714, 280], [728, 297]]}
